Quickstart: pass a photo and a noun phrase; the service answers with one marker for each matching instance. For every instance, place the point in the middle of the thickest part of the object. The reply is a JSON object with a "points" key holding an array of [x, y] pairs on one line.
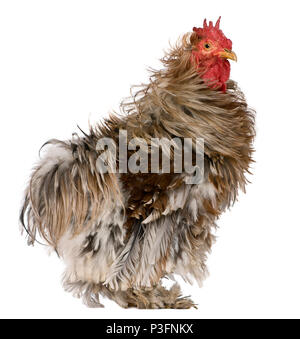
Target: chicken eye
{"points": [[207, 46]]}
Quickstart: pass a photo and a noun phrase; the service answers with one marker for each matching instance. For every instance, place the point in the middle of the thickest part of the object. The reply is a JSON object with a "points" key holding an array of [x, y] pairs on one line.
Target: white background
{"points": [[65, 62]]}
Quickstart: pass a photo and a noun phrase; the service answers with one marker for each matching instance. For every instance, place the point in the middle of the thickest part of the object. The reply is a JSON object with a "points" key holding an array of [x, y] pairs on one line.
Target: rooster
{"points": [[120, 232]]}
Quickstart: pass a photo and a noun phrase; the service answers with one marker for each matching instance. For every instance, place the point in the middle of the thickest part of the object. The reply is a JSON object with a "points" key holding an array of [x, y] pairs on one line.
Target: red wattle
{"points": [[216, 71]]}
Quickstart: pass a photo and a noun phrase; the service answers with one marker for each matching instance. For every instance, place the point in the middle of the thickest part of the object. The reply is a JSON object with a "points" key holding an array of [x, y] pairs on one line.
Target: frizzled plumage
{"points": [[121, 233]]}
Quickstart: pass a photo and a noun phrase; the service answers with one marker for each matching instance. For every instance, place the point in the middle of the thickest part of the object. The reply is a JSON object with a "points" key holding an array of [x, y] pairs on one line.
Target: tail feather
{"points": [[65, 192]]}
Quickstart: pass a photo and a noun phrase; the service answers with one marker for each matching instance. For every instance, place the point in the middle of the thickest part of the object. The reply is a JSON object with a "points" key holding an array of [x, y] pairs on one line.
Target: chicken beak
{"points": [[228, 54]]}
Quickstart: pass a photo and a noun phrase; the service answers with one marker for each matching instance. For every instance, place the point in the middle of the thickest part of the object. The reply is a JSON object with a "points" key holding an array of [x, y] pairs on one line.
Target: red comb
{"points": [[213, 32]]}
